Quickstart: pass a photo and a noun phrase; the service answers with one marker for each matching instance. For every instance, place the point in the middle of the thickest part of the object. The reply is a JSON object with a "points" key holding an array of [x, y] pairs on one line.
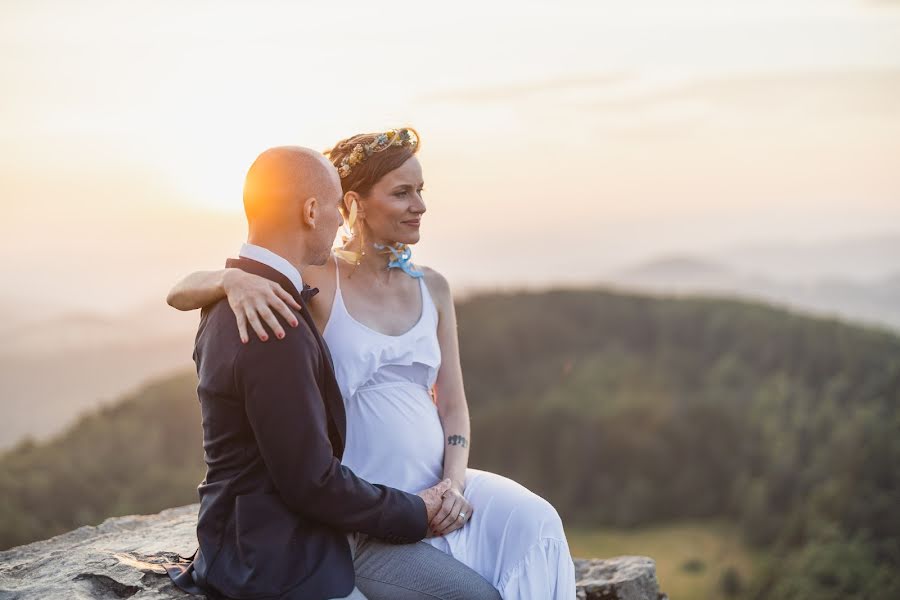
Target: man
{"points": [[280, 517]]}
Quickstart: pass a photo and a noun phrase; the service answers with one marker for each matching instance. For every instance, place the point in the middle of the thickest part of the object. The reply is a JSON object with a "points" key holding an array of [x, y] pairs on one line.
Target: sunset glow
{"points": [[554, 130]]}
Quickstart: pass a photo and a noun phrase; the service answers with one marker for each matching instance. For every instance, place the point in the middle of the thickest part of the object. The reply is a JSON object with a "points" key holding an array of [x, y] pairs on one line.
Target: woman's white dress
{"points": [[515, 538]]}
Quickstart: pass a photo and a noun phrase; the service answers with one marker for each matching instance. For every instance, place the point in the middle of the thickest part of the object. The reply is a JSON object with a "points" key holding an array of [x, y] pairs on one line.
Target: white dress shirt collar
{"points": [[279, 263]]}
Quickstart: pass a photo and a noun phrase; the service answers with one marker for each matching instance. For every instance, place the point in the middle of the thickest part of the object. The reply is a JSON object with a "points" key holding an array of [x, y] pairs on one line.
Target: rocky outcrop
{"points": [[121, 558], [618, 578]]}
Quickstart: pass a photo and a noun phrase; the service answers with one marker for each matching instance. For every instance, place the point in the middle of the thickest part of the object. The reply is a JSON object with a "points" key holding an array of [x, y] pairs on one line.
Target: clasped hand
{"points": [[448, 510]]}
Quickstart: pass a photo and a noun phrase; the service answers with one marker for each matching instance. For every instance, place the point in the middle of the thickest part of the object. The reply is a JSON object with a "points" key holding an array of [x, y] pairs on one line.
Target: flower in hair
{"points": [[357, 155], [382, 141]]}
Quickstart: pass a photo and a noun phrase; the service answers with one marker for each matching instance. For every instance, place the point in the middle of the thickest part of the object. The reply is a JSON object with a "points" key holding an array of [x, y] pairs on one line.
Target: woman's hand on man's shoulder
{"points": [[256, 300]]}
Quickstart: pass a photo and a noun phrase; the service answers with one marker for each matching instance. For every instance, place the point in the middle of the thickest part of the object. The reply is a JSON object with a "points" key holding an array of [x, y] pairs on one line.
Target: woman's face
{"points": [[393, 208]]}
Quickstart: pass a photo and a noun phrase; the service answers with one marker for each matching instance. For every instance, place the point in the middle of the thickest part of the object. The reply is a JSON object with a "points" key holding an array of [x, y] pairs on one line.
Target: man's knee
{"points": [[486, 591], [417, 571], [464, 583]]}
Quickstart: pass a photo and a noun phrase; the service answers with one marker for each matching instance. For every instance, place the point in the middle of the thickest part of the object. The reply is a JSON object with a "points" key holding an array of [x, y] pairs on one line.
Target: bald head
{"points": [[292, 197], [280, 177]]}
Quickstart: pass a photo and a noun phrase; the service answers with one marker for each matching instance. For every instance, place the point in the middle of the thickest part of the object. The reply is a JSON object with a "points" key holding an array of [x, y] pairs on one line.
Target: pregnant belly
{"points": [[394, 436]]}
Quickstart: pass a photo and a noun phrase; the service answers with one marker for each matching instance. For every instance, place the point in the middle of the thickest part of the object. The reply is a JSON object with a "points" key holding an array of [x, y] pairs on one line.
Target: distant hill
{"points": [[53, 370], [42, 395], [81, 331], [679, 273], [16, 313], [621, 409], [682, 266], [856, 258], [876, 302]]}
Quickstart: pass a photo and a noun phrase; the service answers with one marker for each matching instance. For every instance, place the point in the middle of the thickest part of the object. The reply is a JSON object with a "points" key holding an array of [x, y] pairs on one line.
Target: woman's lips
{"points": [[415, 223]]}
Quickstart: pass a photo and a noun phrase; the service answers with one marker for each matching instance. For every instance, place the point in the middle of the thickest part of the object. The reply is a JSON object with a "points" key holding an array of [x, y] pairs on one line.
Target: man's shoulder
{"points": [[299, 339], [218, 326], [217, 320], [215, 308]]}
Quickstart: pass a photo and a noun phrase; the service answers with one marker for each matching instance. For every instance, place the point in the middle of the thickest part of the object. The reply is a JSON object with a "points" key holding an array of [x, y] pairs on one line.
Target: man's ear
{"points": [[309, 211]]}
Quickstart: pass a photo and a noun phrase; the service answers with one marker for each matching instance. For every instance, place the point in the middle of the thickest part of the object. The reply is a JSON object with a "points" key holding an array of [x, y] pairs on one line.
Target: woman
{"points": [[391, 330]]}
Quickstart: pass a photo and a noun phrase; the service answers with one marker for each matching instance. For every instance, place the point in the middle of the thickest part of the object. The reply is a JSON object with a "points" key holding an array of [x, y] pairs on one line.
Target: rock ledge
{"points": [[121, 558]]}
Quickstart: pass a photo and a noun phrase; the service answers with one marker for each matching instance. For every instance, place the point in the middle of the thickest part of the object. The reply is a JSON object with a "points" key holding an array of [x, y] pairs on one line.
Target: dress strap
{"points": [[426, 298]]}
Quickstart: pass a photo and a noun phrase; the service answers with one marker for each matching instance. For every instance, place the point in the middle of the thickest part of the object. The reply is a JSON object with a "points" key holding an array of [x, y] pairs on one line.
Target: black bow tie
{"points": [[308, 292]]}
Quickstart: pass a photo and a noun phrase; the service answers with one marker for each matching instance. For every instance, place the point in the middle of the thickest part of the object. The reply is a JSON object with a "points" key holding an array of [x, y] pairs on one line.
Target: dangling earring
{"points": [[349, 255], [362, 246]]}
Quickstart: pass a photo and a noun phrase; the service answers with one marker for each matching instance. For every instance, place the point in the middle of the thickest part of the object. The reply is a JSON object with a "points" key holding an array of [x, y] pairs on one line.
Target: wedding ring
{"points": [[461, 515]]}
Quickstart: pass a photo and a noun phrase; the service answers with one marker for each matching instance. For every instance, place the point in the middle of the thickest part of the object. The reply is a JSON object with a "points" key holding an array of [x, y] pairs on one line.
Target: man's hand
{"points": [[433, 498], [455, 512]]}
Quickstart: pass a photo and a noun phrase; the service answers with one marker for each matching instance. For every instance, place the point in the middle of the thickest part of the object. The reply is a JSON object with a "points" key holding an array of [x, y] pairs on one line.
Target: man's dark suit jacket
{"points": [[276, 503]]}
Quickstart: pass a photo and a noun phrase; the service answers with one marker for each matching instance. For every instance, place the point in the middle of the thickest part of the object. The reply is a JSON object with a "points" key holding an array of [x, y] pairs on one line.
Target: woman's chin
{"points": [[408, 239]]}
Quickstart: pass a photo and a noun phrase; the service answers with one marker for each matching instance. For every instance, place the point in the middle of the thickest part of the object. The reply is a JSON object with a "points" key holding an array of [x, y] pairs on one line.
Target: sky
{"points": [[559, 139]]}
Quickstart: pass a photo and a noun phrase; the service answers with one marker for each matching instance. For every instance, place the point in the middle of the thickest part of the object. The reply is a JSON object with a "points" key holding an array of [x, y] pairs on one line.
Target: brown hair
{"points": [[367, 173]]}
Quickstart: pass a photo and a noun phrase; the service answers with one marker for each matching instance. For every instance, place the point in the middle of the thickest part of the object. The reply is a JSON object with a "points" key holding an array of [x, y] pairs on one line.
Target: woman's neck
{"points": [[372, 260]]}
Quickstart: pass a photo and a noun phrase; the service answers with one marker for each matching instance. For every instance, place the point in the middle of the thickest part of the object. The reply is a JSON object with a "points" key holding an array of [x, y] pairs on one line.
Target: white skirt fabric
{"points": [[514, 539]]}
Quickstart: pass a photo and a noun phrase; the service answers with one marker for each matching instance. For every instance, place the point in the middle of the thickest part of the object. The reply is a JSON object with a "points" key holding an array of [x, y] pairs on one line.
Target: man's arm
{"points": [[286, 411]]}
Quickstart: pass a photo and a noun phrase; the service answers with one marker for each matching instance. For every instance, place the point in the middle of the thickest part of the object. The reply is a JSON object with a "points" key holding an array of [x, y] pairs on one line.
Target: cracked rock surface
{"points": [[122, 557]]}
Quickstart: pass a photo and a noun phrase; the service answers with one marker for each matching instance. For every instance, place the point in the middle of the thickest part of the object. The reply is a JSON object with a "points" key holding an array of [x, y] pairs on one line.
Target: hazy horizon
{"points": [[560, 141]]}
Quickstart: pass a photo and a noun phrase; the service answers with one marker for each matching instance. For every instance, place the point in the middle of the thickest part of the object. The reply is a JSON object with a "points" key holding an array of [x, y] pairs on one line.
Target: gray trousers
{"points": [[412, 572]]}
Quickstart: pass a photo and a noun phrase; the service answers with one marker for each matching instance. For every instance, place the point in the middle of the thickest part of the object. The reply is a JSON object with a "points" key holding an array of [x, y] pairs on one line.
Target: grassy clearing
{"points": [[690, 556]]}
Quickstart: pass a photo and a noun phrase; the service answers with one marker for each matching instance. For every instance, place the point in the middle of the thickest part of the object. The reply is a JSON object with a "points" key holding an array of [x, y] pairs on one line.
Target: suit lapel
{"points": [[333, 398], [334, 402]]}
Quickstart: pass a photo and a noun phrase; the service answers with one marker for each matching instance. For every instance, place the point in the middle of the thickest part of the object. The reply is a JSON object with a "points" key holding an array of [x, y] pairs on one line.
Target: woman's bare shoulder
{"points": [[437, 283]]}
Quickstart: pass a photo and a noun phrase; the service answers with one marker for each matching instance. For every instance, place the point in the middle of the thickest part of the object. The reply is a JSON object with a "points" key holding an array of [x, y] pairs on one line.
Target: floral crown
{"points": [[382, 141]]}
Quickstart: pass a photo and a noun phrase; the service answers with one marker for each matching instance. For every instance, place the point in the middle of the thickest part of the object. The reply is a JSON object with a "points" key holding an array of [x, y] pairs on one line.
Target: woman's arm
{"points": [[452, 408], [198, 289], [251, 297]]}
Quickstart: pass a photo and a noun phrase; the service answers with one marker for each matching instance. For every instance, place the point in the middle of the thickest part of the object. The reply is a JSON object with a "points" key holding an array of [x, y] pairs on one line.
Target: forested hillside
{"points": [[620, 409]]}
